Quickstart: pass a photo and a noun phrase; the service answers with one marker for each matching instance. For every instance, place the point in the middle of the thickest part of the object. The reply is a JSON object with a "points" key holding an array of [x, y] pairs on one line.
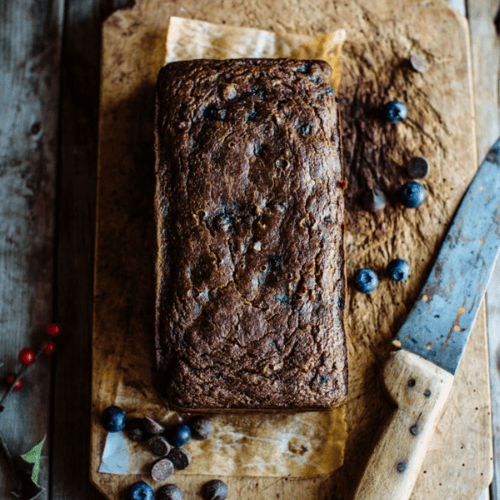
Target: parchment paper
{"points": [[188, 39], [254, 444]]}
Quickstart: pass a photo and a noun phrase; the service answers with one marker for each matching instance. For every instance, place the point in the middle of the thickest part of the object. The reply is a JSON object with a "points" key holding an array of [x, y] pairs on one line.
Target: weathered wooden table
{"points": [[49, 92]]}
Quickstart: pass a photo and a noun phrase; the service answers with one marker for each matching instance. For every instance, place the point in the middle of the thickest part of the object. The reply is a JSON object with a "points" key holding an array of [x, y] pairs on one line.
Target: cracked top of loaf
{"points": [[250, 258]]}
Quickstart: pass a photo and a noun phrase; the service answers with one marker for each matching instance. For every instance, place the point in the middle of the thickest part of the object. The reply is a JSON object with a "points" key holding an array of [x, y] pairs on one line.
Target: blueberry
{"points": [[140, 491], [180, 435], [365, 280], [212, 113], [412, 194], [395, 111], [398, 269], [113, 419]]}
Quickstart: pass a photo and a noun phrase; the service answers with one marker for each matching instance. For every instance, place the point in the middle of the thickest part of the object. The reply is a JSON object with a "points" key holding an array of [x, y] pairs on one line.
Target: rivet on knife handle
{"points": [[420, 389]]}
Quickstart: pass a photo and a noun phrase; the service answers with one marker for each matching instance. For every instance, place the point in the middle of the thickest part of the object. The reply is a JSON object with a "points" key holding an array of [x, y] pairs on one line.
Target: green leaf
{"points": [[34, 457]]}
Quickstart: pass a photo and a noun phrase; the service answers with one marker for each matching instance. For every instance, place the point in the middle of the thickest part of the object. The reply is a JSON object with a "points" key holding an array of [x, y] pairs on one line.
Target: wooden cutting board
{"points": [[381, 35]]}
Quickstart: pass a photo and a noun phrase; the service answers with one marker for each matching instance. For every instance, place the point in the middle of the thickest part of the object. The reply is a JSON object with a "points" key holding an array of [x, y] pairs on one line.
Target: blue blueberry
{"points": [[113, 419], [140, 491], [365, 280], [412, 194], [398, 269], [180, 435], [395, 111]]}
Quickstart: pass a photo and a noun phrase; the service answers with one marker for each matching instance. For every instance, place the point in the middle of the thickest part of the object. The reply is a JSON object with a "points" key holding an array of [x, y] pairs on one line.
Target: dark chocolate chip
{"points": [[375, 200], [180, 458], [304, 69], [223, 222], [162, 469], [418, 63], [229, 92], [418, 167], [170, 492], [276, 264], [401, 467], [152, 427], [215, 490], [284, 299], [135, 431], [201, 428], [411, 382], [304, 128], [159, 445], [213, 113]]}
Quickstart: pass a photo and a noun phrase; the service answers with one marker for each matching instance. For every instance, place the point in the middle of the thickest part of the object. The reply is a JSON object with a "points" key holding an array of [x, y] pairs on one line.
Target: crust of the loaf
{"points": [[250, 266]]}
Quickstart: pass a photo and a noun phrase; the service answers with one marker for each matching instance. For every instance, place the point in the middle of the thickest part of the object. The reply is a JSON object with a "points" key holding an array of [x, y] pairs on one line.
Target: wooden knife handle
{"points": [[420, 389]]}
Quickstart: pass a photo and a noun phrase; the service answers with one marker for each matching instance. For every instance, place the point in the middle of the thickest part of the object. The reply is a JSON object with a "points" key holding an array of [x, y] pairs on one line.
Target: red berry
{"points": [[53, 329], [20, 382], [48, 346], [344, 184], [27, 356]]}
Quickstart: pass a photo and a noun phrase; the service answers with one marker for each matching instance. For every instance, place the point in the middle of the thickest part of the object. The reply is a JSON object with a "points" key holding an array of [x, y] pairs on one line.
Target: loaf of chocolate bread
{"points": [[250, 227]]}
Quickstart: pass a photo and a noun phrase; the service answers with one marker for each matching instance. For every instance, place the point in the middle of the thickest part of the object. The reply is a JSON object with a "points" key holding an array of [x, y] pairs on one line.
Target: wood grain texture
{"points": [[420, 391], [485, 49], [381, 36], [75, 250], [460, 452], [30, 46], [493, 311]]}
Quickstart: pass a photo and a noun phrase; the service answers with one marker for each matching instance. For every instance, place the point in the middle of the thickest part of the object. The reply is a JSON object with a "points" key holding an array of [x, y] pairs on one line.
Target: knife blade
{"points": [[431, 342]]}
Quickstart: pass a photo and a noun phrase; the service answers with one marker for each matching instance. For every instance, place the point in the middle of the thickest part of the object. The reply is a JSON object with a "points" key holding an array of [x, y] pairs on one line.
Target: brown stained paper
{"points": [[188, 39], [245, 444]]}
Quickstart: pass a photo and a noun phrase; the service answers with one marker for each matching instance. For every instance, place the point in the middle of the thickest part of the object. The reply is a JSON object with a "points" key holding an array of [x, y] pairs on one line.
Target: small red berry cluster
{"points": [[27, 357]]}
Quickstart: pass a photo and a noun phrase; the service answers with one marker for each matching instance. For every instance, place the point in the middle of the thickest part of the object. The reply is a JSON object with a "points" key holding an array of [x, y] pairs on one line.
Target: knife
{"points": [[419, 375]]}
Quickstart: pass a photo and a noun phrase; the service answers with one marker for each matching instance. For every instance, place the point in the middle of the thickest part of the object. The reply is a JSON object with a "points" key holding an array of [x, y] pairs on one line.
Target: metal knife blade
{"points": [[441, 319]]}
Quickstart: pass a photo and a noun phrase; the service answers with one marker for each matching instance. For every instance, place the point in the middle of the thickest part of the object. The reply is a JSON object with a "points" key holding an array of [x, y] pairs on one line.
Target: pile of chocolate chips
{"points": [[167, 444]]}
